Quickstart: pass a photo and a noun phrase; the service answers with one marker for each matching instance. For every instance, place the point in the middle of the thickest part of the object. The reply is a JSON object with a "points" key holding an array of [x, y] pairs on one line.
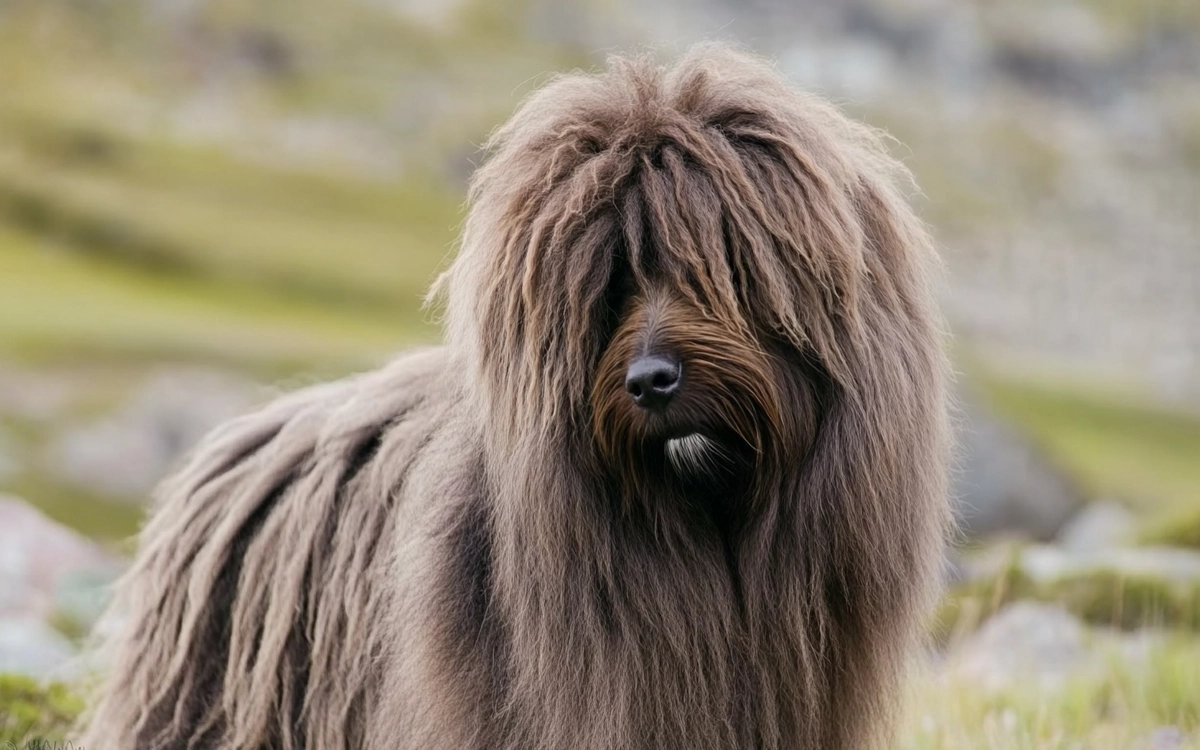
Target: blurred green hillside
{"points": [[116, 243]]}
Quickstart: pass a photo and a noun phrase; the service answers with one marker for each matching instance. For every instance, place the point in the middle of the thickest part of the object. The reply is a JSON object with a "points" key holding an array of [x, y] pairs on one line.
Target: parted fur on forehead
{"points": [[765, 208]]}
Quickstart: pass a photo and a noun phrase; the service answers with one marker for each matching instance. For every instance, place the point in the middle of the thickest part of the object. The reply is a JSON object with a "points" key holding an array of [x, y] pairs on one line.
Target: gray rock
{"points": [[30, 647], [1004, 483], [1042, 647], [1036, 645], [46, 567], [125, 455], [1098, 526]]}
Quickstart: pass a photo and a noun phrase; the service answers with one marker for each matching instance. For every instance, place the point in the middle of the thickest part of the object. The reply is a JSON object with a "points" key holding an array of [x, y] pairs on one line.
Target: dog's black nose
{"points": [[652, 381]]}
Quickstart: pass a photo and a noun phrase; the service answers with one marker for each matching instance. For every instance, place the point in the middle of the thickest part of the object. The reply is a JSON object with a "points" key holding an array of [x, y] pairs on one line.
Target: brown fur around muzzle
{"points": [[731, 392], [675, 480]]}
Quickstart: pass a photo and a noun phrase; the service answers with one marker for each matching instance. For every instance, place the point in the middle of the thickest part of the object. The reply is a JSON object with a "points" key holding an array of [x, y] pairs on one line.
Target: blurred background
{"points": [[203, 202]]}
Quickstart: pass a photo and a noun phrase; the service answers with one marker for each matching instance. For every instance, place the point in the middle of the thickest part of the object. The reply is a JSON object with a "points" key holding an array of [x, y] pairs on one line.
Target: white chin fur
{"points": [[694, 454]]}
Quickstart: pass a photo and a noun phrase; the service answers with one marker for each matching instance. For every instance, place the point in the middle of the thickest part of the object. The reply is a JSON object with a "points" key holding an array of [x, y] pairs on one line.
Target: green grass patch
{"points": [[53, 301], [1179, 529], [1117, 706], [121, 248], [32, 714], [320, 252], [1111, 445], [80, 140], [1101, 597]]}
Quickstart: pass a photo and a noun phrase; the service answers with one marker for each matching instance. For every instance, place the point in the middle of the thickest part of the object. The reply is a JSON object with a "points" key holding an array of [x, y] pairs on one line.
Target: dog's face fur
{"points": [[733, 401]]}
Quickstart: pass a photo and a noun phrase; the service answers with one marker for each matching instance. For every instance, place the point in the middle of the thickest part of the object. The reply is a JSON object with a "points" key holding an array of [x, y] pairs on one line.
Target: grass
{"points": [[1101, 597], [54, 301], [186, 251], [1114, 708], [1178, 529], [186, 213], [1113, 446], [32, 714]]}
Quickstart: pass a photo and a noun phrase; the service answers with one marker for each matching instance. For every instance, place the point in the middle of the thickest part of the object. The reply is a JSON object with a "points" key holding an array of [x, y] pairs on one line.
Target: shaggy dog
{"points": [[676, 479]]}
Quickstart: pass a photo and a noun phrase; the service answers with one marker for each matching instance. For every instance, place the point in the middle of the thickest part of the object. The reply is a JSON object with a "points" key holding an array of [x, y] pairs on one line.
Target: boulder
{"points": [[47, 569], [1042, 647], [32, 648], [1039, 646], [1004, 483], [1098, 526], [126, 454]]}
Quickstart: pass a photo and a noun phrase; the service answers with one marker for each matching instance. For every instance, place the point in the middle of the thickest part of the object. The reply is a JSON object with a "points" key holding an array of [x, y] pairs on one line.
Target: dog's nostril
{"points": [[652, 381]]}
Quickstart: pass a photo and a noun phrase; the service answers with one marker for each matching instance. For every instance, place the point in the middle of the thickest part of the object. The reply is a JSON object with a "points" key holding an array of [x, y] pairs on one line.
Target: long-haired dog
{"points": [[676, 479]]}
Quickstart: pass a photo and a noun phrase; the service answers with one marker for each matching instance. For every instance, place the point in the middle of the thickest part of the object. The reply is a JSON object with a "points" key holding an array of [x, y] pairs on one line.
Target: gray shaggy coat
{"points": [[490, 545]]}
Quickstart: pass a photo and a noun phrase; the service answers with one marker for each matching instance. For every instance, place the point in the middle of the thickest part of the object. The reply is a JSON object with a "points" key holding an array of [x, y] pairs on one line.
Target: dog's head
{"points": [[665, 269]]}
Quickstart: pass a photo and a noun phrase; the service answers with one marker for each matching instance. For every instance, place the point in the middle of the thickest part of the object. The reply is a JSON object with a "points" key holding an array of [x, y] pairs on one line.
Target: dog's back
{"points": [[253, 616]]}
